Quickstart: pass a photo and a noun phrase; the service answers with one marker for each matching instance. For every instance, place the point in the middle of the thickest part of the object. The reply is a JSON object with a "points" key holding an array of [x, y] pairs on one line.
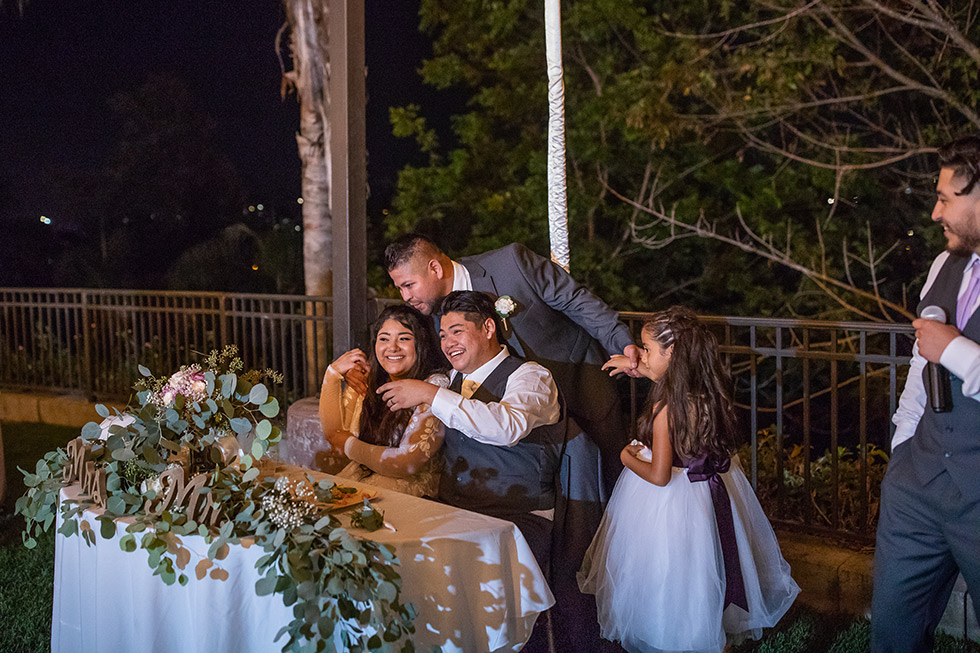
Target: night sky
{"points": [[63, 60]]}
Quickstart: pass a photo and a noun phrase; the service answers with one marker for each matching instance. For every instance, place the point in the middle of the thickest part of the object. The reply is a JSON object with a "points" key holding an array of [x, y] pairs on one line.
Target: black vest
{"points": [[498, 480], [950, 441]]}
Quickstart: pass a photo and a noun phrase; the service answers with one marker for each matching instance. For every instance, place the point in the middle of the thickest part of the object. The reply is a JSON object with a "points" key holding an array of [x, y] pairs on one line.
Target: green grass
{"points": [[26, 592], [804, 631], [26, 575]]}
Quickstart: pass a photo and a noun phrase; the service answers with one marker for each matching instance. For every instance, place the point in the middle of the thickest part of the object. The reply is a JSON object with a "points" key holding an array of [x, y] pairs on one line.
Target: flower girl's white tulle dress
{"points": [[657, 566]]}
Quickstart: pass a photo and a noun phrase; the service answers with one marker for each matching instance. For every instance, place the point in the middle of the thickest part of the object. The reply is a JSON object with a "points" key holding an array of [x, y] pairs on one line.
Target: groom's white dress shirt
{"points": [[529, 401]]}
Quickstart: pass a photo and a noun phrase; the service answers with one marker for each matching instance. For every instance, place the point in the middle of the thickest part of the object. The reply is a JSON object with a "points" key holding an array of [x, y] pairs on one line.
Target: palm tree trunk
{"points": [[308, 21]]}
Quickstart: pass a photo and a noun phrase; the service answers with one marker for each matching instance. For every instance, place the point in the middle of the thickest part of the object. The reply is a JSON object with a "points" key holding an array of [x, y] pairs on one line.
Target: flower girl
{"points": [[684, 552]]}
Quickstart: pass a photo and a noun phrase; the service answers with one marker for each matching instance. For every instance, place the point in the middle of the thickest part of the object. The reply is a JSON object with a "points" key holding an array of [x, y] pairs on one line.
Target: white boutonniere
{"points": [[505, 307]]}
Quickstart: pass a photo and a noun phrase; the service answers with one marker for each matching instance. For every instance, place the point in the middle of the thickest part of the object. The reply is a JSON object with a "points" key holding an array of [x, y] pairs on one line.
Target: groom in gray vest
{"points": [[505, 427], [929, 529], [557, 322]]}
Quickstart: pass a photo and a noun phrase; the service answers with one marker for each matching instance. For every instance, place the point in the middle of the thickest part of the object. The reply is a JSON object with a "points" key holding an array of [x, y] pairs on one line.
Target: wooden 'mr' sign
{"points": [[198, 506], [81, 469]]}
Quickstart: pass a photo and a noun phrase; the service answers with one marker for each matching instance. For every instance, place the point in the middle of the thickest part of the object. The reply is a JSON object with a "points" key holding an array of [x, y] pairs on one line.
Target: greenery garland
{"points": [[344, 590]]}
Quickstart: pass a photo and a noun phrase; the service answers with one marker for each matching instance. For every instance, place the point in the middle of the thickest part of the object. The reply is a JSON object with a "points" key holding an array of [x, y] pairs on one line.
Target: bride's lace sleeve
{"points": [[422, 438], [340, 408]]}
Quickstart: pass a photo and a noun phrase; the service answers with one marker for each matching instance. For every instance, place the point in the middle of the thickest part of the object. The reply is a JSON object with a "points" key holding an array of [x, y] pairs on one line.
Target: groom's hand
{"points": [[632, 352], [356, 378], [407, 393]]}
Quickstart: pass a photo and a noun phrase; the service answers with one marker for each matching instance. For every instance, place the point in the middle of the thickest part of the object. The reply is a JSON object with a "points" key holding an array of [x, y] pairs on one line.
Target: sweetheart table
{"points": [[472, 579]]}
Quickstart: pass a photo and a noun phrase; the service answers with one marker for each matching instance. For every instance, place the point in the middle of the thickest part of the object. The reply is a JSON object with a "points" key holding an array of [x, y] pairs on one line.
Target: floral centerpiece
{"points": [[188, 460]]}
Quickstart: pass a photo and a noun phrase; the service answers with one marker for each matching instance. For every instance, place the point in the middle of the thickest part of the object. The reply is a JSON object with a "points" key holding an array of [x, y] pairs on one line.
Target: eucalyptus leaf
{"points": [[265, 585], [123, 454], [258, 448], [241, 425], [116, 505], [143, 370], [259, 394], [325, 625], [128, 543], [263, 430], [102, 410], [68, 527], [250, 475], [270, 408], [91, 431], [228, 384], [107, 528]]}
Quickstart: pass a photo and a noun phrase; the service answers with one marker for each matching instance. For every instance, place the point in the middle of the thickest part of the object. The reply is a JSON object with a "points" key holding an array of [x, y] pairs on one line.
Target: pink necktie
{"points": [[966, 301]]}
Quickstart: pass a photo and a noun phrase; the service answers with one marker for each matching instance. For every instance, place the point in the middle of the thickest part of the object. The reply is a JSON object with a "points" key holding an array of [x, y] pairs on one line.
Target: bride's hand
{"points": [[349, 360], [618, 364]]}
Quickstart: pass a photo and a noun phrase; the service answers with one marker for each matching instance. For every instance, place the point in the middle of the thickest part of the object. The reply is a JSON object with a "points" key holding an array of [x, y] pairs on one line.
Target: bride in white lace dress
{"points": [[398, 450]]}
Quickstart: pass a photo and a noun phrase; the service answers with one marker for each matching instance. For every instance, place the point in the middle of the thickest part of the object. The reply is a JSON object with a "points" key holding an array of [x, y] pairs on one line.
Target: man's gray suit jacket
{"points": [[558, 323]]}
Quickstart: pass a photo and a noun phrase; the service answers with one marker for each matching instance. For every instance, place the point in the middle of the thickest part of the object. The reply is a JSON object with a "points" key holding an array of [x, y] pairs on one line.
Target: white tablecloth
{"points": [[472, 579]]}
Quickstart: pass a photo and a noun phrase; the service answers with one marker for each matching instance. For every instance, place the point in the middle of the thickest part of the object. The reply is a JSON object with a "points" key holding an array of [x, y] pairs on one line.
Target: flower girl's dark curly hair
{"points": [[695, 389]]}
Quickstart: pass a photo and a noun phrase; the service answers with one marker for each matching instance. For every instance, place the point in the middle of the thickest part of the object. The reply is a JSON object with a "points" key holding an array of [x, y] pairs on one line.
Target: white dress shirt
{"points": [[961, 357], [530, 400], [461, 278]]}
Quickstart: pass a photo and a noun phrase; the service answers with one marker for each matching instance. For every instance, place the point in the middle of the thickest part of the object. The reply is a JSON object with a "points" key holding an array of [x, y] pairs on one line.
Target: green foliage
{"points": [[344, 589], [724, 133], [796, 504]]}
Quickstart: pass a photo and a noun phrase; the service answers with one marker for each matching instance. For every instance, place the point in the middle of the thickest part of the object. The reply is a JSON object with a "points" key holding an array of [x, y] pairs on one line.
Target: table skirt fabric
{"points": [[471, 578]]}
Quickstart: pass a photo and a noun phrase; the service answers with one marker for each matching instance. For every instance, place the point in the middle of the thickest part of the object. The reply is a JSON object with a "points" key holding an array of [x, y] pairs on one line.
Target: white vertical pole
{"points": [[557, 195]]}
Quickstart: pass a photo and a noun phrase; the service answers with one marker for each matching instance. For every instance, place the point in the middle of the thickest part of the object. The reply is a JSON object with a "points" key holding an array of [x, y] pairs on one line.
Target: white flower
{"points": [[505, 306]]}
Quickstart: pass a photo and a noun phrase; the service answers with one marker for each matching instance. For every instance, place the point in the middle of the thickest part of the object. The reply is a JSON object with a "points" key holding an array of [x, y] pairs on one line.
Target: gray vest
{"points": [[950, 441], [498, 480]]}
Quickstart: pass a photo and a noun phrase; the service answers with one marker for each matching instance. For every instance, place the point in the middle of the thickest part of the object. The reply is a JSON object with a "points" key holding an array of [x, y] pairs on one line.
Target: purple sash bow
{"points": [[704, 469]]}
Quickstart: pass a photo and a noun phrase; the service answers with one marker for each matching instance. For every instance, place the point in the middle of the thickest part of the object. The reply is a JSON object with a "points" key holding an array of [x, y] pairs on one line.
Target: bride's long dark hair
{"points": [[379, 425], [695, 389]]}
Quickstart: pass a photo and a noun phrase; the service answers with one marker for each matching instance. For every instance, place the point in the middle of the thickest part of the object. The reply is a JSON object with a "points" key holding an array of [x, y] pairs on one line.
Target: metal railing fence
{"points": [[815, 398], [91, 341]]}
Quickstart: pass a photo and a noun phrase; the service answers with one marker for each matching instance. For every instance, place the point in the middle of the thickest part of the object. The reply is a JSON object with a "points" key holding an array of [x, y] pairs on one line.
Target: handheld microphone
{"points": [[937, 376]]}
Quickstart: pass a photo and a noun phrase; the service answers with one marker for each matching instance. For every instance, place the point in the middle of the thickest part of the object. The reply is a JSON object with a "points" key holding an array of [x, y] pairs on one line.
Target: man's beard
{"points": [[968, 240], [966, 245]]}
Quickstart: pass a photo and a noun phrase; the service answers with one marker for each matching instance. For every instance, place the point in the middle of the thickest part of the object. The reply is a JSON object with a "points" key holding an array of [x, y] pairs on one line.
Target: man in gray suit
{"points": [[929, 527], [557, 322]]}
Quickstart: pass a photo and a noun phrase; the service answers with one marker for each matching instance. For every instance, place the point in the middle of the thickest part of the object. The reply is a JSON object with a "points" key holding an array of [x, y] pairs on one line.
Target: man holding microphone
{"points": [[929, 529]]}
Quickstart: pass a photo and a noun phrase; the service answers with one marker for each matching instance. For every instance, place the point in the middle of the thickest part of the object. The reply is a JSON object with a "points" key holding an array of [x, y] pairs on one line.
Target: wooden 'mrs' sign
{"points": [[81, 469]]}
